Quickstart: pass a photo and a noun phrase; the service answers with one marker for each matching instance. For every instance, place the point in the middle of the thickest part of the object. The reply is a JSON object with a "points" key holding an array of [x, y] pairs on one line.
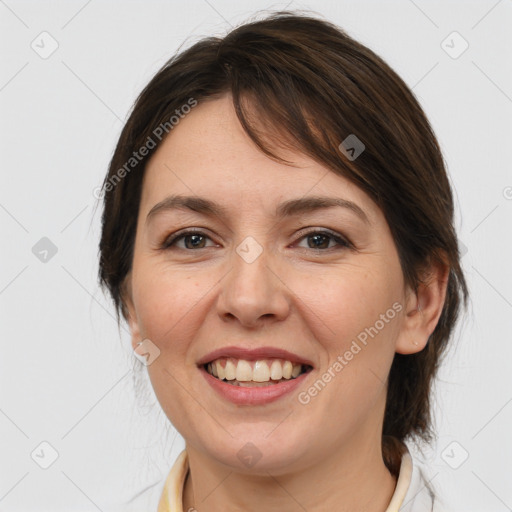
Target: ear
{"points": [[423, 308], [129, 311]]}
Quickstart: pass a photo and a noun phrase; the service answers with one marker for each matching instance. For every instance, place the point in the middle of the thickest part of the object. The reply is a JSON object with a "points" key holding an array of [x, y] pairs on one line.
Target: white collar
{"points": [[411, 491]]}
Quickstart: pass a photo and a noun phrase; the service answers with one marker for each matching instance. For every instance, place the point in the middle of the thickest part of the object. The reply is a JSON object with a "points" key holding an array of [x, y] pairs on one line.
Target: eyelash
{"points": [[342, 242]]}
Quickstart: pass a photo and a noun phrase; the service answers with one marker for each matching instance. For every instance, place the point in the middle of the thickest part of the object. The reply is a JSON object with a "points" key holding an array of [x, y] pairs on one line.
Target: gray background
{"points": [[66, 374]]}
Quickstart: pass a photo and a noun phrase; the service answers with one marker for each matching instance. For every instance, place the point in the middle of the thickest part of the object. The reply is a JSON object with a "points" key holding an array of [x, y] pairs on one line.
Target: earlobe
{"points": [[423, 310]]}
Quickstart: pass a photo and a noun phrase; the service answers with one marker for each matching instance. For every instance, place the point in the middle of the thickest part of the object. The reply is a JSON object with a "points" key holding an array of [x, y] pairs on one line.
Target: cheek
{"points": [[356, 325], [344, 302], [168, 305], [165, 302]]}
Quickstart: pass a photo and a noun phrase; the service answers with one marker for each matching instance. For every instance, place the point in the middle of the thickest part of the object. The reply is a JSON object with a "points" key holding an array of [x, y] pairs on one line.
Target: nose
{"points": [[253, 293]]}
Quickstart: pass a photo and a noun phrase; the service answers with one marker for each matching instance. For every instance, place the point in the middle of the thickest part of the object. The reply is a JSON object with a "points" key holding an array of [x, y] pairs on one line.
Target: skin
{"points": [[311, 301]]}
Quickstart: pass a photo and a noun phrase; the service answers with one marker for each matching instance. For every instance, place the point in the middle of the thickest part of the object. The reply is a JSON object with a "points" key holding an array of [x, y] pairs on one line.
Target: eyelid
{"points": [[178, 235], [340, 239]]}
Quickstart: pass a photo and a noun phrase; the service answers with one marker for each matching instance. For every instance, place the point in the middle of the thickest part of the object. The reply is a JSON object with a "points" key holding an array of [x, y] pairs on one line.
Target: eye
{"points": [[317, 240], [191, 239], [322, 240]]}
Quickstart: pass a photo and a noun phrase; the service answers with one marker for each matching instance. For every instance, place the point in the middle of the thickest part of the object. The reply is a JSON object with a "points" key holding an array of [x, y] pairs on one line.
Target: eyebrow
{"points": [[285, 209]]}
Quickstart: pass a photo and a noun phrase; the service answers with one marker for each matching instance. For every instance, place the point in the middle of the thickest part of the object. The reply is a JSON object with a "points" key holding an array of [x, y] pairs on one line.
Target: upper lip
{"points": [[253, 354]]}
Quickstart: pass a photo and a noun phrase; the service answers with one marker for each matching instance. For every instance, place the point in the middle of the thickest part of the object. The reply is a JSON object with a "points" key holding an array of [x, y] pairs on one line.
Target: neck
{"points": [[352, 479]]}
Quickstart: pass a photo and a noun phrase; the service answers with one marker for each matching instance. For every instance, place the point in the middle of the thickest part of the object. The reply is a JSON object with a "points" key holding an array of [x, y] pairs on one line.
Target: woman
{"points": [[278, 234]]}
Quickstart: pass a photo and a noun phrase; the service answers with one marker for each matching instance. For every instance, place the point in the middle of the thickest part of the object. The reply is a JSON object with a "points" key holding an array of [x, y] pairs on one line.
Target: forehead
{"points": [[208, 154]]}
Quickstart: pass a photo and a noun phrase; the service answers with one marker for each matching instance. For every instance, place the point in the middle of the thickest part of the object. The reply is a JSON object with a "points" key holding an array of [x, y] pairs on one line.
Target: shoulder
{"points": [[172, 495], [421, 495]]}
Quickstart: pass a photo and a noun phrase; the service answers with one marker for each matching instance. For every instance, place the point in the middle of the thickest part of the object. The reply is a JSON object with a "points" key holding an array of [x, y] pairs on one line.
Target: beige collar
{"points": [[172, 495]]}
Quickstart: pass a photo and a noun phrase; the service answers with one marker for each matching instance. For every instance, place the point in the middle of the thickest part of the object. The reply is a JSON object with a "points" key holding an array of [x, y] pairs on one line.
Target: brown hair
{"points": [[312, 86]]}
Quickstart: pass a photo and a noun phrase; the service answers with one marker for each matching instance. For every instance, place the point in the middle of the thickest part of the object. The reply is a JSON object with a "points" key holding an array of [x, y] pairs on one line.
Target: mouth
{"points": [[254, 376], [255, 373]]}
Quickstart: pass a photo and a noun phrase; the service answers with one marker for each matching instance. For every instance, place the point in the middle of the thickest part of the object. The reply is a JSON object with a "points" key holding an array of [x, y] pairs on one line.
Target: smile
{"points": [[254, 376], [259, 373]]}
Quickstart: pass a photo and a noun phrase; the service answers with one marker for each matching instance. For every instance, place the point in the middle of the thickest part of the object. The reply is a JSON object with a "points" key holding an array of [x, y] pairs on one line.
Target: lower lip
{"points": [[256, 395]]}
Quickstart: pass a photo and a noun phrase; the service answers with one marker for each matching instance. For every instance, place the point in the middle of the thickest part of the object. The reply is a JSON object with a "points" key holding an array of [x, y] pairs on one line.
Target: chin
{"points": [[258, 449]]}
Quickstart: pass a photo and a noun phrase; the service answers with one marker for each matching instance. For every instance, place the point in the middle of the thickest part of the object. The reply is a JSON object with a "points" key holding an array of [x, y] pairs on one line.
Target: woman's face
{"points": [[271, 269]]}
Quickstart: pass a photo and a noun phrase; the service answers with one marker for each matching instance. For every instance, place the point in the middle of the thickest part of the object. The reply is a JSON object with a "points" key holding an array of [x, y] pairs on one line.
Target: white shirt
{"points": [[412, 493]]}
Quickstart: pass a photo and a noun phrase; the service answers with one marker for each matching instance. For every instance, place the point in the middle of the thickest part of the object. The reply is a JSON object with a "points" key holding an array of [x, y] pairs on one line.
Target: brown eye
{"points": [[196, 241], [192, 240], [322, 239], [319, 241]]}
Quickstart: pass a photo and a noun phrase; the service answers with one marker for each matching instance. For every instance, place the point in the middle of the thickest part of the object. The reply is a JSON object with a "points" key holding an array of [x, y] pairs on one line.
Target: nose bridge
{"points": [[251, 289]]}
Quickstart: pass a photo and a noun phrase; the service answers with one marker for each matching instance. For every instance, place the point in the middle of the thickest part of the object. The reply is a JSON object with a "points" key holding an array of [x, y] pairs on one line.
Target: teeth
{"points": [[221, 374], [229, 370], [252, 384], [296, 370], [261, 371], [287, 370], [276, 371], [243, 371]]}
